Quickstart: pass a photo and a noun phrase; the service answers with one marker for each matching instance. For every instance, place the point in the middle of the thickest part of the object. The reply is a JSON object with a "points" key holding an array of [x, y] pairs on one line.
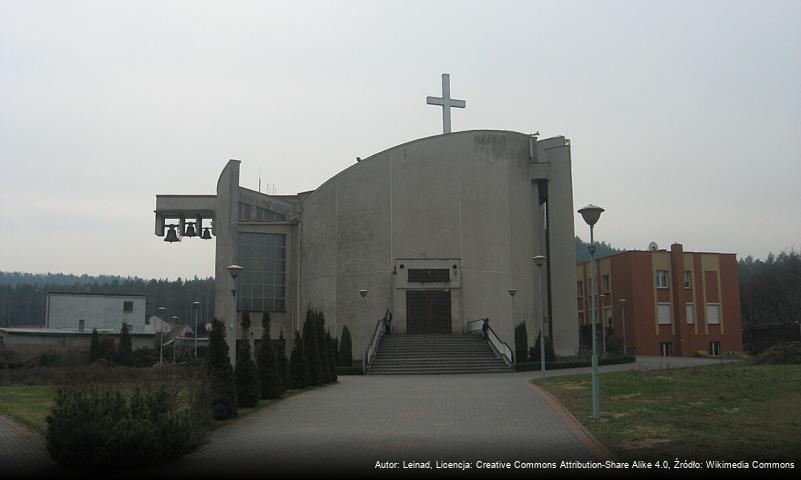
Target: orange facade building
{"points": [[666, 302]]}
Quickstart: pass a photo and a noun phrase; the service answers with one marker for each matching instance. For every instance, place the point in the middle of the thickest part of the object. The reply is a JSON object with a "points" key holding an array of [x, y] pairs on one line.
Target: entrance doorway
{"points": [[428, 311]]}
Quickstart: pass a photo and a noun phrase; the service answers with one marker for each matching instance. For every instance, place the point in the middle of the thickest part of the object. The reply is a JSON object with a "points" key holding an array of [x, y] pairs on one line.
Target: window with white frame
{"points": [[714, 348], [713, 314], [580, 288], [690, 312], [663, 312], [605, 279], [688, 279], [661, 279]]}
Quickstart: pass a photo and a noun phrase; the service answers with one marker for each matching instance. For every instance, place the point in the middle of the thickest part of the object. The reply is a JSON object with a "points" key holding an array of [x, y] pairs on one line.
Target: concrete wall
{"points": [[73, 348], [97, 311], [465, 198]]}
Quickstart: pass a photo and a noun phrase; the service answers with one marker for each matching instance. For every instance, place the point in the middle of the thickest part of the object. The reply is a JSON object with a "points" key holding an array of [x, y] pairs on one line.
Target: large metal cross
{"points": [[446, 102]]}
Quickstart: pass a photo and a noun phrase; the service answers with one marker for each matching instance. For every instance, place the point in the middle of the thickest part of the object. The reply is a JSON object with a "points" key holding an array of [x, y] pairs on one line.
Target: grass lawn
{"points": [[736, 411], [28, 404]]}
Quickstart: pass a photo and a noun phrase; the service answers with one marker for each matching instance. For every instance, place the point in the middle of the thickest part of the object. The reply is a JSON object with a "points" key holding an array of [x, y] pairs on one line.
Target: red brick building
{"points": [[675, 302]]}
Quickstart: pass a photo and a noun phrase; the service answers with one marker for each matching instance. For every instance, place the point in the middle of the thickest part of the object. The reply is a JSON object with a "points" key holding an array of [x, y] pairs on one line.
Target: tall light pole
{"points": [[623, 321], [196, 306], [234, 271], [512, 292], [602, 314], [591, 214], [539, 260], [162, 311], [363, 293]]}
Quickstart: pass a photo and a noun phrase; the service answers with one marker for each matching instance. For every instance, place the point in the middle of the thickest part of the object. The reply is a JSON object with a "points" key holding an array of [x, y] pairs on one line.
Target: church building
{"points": [[439, 231]]}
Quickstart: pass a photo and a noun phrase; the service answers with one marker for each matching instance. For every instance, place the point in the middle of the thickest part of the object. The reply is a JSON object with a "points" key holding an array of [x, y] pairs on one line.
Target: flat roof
{"points": [[661, 250], [60, 331], [98, 294]]}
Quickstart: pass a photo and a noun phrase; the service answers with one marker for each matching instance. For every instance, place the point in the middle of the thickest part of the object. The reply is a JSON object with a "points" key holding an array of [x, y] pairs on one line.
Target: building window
{"points": [[688, 279], [581, 317], [663, 311], [690, 311], [661, 279], [244, 211], [147, 320], [81, 325], [127, 307], [264, 215], [714, 348], [665, 349], [580, 288], [713, 314], [605, 279], [262, 283]]}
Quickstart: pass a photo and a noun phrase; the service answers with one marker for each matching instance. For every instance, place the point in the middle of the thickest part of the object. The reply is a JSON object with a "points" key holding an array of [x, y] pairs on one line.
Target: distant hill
{"points": [[602, 250]]}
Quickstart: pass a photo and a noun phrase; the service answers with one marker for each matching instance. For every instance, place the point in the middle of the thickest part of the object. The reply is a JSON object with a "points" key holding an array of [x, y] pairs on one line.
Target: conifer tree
{"points": [[322, 345], [246, 377], [124, 351], [345, 352], [220, 374], [311, 348], [283, 362], [332, 355], [270, 384], [298, 367], [94, 346]]}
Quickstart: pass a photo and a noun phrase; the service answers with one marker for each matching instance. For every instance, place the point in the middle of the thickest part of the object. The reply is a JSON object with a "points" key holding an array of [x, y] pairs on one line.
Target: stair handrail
{"points": [[369, 353], [495, 342]]}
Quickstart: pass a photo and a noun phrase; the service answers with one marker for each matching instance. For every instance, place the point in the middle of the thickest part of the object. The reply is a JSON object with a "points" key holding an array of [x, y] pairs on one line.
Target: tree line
{"points": [[23, 296]]}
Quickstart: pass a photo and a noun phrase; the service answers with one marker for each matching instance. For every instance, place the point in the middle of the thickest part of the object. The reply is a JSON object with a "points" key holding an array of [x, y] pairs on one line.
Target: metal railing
{"points": [[500, 347], [369, 353]]}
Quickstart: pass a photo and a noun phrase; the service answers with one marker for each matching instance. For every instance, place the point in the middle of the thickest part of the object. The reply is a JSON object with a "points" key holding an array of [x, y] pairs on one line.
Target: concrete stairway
{"points": [[435, 354]]}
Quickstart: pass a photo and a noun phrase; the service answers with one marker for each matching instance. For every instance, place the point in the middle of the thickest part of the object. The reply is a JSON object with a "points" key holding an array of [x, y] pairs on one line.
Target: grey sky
{"points": [[684, 117]]}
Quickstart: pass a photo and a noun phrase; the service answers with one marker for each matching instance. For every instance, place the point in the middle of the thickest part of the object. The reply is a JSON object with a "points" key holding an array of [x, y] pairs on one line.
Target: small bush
{"points": [[782, 353], [534, 352], [124, 351], [614, 345], [521, 343], [220, 374], [105, 428], [345, 351], [283, 362], [246, 378], [270, 384], [50, 359], [298, 367]]}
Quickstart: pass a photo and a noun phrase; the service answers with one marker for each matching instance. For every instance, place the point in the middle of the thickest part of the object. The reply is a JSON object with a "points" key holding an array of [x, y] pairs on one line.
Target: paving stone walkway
{"points": [[22, 451], [350, 426]]}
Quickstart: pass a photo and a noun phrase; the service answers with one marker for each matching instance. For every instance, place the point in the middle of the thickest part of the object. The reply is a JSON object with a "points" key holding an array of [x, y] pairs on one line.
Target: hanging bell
{"points": [[190, 230], [171, 235], [206, 233]]}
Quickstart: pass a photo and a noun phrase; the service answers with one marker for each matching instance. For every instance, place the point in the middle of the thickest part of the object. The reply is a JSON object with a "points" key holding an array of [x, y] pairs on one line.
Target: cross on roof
{"points": [[446, 102]]}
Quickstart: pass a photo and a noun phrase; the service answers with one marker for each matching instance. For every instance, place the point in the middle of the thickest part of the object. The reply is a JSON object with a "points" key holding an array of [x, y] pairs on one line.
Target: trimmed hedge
{"points": [[784, 353], [558, 365], [109, 428]]}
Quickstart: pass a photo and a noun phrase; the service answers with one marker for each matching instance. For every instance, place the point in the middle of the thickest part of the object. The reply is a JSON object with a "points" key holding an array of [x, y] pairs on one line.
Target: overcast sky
{"points": [[684, 117]]}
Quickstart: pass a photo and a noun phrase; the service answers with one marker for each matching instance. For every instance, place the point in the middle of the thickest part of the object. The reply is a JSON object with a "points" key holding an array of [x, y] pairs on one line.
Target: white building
{"points": [[437, 230], [82, 311]]}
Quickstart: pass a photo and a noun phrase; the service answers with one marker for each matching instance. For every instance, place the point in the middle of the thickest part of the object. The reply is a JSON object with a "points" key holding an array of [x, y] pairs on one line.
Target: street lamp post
{"points": [[591, 214], [539, 260], [363, 293], [196, 306], [163, 316], [602, 314], [512, 292], [623, 321], [234, 271]]}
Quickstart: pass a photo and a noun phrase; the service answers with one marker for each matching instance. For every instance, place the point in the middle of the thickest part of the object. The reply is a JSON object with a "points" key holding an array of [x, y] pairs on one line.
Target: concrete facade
{"points": [[471, 205], [677, 303], [87, 311]]}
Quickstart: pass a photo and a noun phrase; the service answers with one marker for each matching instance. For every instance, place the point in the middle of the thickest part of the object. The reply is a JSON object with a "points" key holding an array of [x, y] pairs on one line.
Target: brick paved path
{"points": [[22, 451], [349, 426]]}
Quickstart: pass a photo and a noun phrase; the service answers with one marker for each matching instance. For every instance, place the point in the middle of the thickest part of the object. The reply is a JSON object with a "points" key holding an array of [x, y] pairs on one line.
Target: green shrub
{"points": [[124, 351], [107, 428], [246, 378], [534, 352], [311, 348], [270, 384], [283, 362], [614, 345], [298, 367], [50, 359], [782, 353], [521, 343], [94, 346], [345, 351], [220, 375]]}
